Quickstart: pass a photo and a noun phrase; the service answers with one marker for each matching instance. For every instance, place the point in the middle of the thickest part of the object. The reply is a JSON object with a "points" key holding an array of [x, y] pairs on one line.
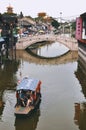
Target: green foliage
{"points": [[9, 14], [73, 25], [55, 23]]}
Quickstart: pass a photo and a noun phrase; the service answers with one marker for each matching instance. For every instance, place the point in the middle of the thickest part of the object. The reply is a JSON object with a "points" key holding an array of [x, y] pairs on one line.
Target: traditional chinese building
{"points": [[81, 36], [8, 27], [9, 9]]}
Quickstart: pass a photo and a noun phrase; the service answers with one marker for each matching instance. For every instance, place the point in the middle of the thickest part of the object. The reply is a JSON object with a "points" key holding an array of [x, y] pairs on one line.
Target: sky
{"points": [[53, 8]]}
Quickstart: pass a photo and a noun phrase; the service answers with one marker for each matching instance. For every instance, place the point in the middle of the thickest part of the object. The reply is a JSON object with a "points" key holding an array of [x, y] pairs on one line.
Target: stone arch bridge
{"points": [[24, 42]]}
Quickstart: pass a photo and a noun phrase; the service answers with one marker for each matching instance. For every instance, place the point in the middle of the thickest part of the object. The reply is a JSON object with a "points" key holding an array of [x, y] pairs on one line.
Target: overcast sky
{"points": [[52, 8]]}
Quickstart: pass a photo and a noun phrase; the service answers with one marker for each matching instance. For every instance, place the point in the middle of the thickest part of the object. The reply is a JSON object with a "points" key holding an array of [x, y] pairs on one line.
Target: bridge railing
{"points": [[24, 42]]}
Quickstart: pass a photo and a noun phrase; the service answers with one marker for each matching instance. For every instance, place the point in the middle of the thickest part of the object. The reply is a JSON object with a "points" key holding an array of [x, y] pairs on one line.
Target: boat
{"points": [[28, 96]]}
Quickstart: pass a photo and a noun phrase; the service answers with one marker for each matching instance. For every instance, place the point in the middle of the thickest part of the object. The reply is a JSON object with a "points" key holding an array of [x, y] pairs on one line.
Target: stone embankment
{"points": [[24, 42]]}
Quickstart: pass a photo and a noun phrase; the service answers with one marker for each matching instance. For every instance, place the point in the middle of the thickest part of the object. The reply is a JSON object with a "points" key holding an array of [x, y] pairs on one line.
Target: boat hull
{"points": [[27, 111]]}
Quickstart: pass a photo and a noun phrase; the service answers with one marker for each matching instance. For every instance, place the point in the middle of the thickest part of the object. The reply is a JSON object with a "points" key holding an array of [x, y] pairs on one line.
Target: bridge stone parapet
{"points": [[69, 42], [24, 42]]}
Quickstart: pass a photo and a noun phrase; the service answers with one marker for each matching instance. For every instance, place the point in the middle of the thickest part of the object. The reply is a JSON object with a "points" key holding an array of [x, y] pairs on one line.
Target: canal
{"points": [[63, 105]]}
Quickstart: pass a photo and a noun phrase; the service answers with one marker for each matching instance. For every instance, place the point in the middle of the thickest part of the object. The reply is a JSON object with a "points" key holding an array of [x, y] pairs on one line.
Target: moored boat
{"points": [[28, 96]]}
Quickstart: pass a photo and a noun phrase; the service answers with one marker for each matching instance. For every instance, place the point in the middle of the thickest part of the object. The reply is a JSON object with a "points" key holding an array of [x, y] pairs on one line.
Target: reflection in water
{"points": [[80, 108], [28, 123], [9, 103], [81, 75], [48, 49], [68, 57], [80, 115], [1, 107], [7, 110], [8, 100], [8, 74], [54, 73], [8, 82]]}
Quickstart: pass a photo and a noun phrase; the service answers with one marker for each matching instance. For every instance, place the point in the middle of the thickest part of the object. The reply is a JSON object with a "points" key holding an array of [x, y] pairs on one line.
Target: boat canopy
{"points": [[28, 84]]}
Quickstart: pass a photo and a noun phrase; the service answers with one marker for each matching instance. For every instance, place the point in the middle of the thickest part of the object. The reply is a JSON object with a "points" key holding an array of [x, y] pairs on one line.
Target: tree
{"points": [[73, 25], [55, 23], [21, 15]]}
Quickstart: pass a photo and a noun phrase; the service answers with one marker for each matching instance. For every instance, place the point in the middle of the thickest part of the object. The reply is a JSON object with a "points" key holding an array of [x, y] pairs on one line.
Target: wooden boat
{"points": [[28, 96]]}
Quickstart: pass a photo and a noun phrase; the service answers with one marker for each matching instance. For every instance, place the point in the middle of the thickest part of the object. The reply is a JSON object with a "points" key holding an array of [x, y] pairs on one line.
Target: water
{"points": [[52, 49], [63, 99]]}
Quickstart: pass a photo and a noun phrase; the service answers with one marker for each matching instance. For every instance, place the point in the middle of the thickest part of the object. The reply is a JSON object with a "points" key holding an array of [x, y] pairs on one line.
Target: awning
{"points": [[41, 31], [28, 84]]}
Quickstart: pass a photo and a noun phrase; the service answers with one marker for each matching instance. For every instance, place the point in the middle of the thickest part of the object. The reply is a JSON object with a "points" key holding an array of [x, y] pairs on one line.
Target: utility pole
{"points": [[60, 22]]}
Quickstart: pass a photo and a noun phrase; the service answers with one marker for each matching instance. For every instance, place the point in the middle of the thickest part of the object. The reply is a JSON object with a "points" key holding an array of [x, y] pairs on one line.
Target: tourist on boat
{"points": [[23, 98], [31, 99], [28, 102]]}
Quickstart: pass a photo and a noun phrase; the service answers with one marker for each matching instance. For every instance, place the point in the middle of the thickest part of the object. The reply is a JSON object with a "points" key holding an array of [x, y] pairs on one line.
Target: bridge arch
{"points": [[23, 43], [33, 50]]}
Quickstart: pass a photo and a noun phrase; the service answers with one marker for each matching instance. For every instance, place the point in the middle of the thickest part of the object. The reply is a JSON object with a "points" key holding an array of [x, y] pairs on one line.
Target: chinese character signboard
{"points": [[79, 28]]}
